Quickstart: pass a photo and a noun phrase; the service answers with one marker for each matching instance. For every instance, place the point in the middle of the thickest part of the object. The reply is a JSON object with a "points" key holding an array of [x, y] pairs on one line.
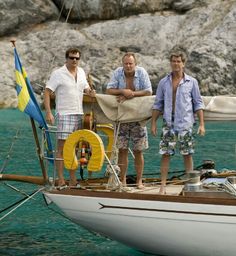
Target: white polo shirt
{"points": [[68, 91]]}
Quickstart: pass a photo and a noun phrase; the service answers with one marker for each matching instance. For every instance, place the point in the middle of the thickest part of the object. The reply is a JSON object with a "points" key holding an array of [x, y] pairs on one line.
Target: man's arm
{"points": [[121, 94], [142, 93], [114, 91], [90, 92], [128, 93], [201, 129], [47, 102], [124, 93], [155, 115]]}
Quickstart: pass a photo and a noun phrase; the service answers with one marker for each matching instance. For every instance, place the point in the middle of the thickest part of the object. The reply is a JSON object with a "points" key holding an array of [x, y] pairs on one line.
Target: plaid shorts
{"points": [[170, 138], [66, 124], [136, 133]]}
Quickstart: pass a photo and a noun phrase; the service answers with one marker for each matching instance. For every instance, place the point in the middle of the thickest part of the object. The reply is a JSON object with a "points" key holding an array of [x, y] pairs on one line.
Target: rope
{"points": [[230, 187], [24, 201], [9, 152], [16, 189], [68, 14], [17, 202], [50, 64], [62, 7]]}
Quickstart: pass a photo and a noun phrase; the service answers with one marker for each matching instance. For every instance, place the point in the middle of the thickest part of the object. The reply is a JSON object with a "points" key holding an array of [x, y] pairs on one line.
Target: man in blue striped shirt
{"points": [[127, 82], [178, 99]]}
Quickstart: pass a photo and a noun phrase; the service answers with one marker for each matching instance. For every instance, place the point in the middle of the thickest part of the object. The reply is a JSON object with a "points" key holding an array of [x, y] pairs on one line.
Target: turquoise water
{"points": [[37, 229]]}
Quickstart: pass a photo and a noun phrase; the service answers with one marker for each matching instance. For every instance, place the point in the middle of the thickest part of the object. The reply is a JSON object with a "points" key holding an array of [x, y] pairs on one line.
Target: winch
{"points": [[193, 182]]}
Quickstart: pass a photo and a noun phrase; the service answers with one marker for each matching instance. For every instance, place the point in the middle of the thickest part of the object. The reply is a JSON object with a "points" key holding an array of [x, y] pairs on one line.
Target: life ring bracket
{"points": [[69, 151]]}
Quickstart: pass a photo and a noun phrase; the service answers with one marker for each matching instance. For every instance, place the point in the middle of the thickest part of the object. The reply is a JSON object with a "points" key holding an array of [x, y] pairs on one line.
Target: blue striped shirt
{"points": [[188, 101], [141, 80]]}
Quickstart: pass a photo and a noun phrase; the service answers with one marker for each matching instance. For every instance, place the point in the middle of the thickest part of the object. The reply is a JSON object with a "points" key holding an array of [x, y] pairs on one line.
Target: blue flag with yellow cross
{"points": [[26, 100]]}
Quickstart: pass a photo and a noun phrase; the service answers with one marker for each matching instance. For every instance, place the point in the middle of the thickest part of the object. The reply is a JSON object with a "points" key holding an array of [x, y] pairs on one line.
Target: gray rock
{"points": [[204, 30], [17, 16]]}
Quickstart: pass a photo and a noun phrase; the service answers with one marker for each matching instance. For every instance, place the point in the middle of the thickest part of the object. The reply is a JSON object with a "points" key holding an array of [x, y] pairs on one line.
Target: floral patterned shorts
{"points": [[170, 138], [135, 133]]}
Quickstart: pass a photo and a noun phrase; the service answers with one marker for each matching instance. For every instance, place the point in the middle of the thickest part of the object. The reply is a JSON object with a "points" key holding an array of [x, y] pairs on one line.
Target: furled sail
{"points": [[107, 108]]}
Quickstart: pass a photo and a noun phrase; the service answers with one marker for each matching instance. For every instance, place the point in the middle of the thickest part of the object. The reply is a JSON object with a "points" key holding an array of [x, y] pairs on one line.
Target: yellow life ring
{"points": [[98, 153], [109, 131]]}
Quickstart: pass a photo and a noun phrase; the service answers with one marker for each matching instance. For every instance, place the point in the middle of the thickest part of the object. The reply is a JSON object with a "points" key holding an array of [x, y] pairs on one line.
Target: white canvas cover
{"points": [[107, 109]]}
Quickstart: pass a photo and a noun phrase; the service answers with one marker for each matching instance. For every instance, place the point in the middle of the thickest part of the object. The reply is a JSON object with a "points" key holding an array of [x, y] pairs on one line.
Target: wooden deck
{"points": [[170, 189]]}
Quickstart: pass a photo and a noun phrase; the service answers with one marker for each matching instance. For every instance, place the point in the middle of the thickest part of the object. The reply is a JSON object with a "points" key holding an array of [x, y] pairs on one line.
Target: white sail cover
{"points": [[219, 107], [107, 109], [136, 109]]}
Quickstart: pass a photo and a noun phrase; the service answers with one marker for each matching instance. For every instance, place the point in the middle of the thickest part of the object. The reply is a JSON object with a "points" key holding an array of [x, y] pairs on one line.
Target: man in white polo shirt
{"points": [[68, 83]]}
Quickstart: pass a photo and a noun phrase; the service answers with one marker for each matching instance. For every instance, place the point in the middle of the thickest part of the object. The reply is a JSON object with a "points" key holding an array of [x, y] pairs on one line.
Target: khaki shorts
{"points": [[171, 138], [66, 124], [132, 132]]}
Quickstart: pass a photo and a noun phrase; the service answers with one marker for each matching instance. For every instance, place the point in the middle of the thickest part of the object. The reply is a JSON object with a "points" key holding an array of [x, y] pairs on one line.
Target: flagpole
{"points": [[39, 152], [13, 41]]}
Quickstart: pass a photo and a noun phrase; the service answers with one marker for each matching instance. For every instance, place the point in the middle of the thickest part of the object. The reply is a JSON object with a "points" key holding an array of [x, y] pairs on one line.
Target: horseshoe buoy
{"points": [[109, 131], [98, 153]]}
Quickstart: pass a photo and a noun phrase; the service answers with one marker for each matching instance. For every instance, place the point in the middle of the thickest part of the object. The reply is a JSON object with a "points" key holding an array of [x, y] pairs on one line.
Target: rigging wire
{"points": [[68, 14], [7, 160], [23, 200], [8, 156], [16, 189], [51, 63], [21, 203], [17, 202], [62, 7]]}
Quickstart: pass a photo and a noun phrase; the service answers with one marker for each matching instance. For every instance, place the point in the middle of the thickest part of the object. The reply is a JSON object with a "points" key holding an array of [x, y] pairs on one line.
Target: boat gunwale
{"points": [[148, 197]]}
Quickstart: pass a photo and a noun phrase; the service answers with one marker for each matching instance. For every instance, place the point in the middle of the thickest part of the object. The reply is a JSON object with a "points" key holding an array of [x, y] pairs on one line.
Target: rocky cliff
{"points": [[105, 29]]}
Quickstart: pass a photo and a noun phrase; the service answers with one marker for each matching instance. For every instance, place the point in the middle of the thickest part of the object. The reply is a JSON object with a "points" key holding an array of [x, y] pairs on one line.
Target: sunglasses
{"points": [[73, 58]]}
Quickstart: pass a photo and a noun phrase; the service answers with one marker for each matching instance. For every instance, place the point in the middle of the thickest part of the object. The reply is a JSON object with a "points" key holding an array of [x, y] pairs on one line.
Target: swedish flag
{"points": [[26, 100]]}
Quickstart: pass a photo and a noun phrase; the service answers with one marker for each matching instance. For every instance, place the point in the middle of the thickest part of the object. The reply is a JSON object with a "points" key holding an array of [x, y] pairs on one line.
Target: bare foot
{"points": [[124, 184], [73, 183], [162, 190], [140, 186], [61, 182]]}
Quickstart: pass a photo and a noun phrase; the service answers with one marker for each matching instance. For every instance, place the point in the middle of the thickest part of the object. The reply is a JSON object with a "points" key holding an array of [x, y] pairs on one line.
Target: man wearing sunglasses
{"points": [[68, 83]]}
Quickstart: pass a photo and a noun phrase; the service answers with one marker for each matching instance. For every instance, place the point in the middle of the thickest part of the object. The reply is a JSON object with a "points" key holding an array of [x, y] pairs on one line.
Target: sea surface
{"points": [[33, 228]]}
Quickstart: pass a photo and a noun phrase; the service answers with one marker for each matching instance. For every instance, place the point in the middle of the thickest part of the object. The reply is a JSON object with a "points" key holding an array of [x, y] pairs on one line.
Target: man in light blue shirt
{"points": [[177, 99], [127, 82]]}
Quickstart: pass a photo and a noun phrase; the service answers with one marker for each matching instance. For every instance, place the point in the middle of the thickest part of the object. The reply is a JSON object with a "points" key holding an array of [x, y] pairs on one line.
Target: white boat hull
{"points": [[155, 226]]}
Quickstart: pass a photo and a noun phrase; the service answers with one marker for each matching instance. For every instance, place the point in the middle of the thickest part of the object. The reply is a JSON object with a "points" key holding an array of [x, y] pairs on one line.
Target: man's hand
{"points": [[201, 130], [50, 118], [120, 98], [154, 129], [128, 94], [90, 92]]}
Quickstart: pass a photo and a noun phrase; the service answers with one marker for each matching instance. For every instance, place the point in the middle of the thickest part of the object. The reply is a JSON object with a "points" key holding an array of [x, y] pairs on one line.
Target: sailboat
{"points": [[193, 218], [197, 216]]}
